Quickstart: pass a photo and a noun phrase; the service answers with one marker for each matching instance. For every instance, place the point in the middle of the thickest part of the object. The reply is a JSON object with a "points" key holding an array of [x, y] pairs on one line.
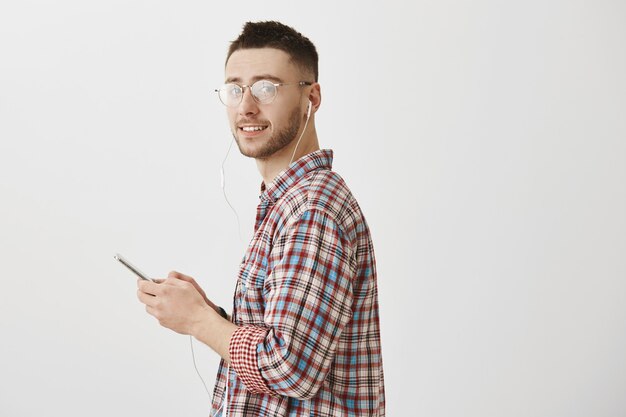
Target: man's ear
{"points": [[315, 97]]}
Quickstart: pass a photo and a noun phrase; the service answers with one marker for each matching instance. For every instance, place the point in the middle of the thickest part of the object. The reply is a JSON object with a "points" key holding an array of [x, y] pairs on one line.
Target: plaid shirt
{"points": [[306, 302]]}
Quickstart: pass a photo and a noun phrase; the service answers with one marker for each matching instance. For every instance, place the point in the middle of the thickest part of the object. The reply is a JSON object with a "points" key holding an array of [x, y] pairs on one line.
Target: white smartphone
{"points": [[132, 267]]}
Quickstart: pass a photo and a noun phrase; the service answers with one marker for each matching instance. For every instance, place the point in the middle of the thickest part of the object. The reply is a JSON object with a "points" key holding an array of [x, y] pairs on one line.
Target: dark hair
{"points": [[272, 34]]}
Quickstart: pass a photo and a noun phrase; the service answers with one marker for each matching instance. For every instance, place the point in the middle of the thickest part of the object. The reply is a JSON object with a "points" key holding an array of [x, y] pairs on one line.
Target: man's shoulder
{"points": [[321, 190], [327, 190]]}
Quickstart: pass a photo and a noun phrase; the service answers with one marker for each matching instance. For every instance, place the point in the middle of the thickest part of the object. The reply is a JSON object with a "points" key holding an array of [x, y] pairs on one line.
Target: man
{"points": [[303, 338]]}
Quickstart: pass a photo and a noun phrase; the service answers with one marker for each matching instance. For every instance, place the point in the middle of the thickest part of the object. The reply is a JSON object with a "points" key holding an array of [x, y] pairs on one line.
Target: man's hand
{"points": [[177, 302], [193, 282]]}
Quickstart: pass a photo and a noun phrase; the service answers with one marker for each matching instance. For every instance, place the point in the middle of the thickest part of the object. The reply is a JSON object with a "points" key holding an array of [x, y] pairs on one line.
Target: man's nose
{"points": [[248, 105]]}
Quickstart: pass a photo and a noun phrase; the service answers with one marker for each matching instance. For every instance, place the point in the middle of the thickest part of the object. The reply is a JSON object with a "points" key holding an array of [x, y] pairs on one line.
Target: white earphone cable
{"points": [[308, 116], [193, 356], [223, 184]]}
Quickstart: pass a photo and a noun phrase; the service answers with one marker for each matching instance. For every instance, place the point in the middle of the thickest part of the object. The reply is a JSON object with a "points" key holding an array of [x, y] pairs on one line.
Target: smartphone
{"points": [[132, 267]]}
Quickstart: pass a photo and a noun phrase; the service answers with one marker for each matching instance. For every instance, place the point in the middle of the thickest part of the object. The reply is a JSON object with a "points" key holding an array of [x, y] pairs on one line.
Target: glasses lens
{"points": [[264, 91], [230, 94]]}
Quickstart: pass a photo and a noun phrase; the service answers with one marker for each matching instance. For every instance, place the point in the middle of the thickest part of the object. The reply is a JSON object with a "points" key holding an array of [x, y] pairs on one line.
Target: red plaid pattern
{"points": [[306, 302]]}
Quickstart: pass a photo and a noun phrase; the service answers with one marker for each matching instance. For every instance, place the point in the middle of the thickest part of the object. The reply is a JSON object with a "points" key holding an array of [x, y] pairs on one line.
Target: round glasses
{"points": [[263, 92]]}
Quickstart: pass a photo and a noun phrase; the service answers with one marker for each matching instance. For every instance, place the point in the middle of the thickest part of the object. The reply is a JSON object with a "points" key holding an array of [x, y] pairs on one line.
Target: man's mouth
{"points": [[252, 128]]}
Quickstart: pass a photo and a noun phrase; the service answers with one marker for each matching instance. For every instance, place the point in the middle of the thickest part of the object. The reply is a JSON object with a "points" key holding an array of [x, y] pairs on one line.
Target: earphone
{"points": [[223, 186], [308, 116]]}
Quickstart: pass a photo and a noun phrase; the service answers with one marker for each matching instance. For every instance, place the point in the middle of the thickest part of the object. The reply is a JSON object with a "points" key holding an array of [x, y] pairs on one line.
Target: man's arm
{"points": [[307, 308], [214, 331]]}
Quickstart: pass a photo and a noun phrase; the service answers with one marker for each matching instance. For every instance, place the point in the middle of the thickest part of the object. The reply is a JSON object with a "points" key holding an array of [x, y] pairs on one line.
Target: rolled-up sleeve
{"points": [[307, 306]]}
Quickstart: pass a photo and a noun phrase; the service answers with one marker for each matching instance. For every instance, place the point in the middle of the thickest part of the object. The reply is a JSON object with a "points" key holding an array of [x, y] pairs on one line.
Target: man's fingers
{"points": [[151, 311], [149, 287], [147, 299], [157, 280], [187, 278], [178, 275]]}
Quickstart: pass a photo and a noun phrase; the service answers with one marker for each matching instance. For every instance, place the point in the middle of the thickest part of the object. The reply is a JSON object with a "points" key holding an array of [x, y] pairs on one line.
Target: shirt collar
{"points": [[320, 159]]}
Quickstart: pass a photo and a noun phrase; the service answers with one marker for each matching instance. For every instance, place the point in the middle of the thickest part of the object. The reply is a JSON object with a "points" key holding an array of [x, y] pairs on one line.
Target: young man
{"points": [[303, 337]]}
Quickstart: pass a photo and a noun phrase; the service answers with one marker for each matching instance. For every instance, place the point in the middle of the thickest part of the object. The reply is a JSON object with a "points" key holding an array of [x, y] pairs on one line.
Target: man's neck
{"points": [[270, 167]]}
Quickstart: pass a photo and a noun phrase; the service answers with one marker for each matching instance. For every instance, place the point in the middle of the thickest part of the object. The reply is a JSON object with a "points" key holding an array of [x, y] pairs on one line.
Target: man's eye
{"points": [[264, 91]]}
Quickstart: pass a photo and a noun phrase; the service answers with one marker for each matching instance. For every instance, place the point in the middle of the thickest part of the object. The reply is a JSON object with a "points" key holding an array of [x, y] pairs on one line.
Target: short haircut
{"points": [[272, 34]]}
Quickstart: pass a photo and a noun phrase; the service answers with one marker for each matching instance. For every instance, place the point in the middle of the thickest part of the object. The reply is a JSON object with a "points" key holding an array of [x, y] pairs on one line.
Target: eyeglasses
{"points": [[263, 92]]}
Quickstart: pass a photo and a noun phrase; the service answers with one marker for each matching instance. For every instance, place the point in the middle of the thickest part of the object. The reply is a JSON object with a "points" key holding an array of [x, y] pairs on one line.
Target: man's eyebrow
{"points": [[256, 78]]}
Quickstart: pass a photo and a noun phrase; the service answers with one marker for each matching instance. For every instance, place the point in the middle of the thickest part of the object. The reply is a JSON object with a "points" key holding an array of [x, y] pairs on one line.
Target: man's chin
{"points": [[252, 151], [263, 147]]}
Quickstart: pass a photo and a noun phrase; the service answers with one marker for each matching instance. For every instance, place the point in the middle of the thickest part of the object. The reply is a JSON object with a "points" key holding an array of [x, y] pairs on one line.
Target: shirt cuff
{"points": [[243, 357]]}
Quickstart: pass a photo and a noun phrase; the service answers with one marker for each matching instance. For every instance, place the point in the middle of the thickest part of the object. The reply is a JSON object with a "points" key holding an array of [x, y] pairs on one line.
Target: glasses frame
{"points": [[244, 86]]}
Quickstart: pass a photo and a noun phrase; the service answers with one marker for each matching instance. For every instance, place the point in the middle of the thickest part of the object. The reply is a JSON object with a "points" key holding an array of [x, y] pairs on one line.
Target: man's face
{"points": [[261, 130]]}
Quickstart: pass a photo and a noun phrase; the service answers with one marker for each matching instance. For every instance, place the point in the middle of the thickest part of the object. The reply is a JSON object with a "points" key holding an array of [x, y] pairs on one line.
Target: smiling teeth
{"points": [[252, 128]]}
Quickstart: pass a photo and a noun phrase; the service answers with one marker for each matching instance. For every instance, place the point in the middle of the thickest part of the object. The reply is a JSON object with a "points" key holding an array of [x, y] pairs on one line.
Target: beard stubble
{"points": [[276, 142]]}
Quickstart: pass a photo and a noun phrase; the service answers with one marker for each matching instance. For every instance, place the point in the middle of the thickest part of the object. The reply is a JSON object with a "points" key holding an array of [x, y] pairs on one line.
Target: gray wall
{"points": [[484, 140]]}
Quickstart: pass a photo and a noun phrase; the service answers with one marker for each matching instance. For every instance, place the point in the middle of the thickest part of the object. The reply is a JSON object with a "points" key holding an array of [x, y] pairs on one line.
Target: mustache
{"points": [[251, 121]]}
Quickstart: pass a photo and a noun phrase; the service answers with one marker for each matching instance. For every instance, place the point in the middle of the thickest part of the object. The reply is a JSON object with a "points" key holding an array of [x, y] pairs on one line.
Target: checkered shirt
{"points": [[306, 303]]}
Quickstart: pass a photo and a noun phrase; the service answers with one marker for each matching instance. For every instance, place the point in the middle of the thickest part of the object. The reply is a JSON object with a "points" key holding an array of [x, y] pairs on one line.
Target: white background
{"points": [[485, 141]]}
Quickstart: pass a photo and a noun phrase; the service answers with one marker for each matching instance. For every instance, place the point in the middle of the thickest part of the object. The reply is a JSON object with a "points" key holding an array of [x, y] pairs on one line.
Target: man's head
{"points": [[281, 65], [275, 35]]}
